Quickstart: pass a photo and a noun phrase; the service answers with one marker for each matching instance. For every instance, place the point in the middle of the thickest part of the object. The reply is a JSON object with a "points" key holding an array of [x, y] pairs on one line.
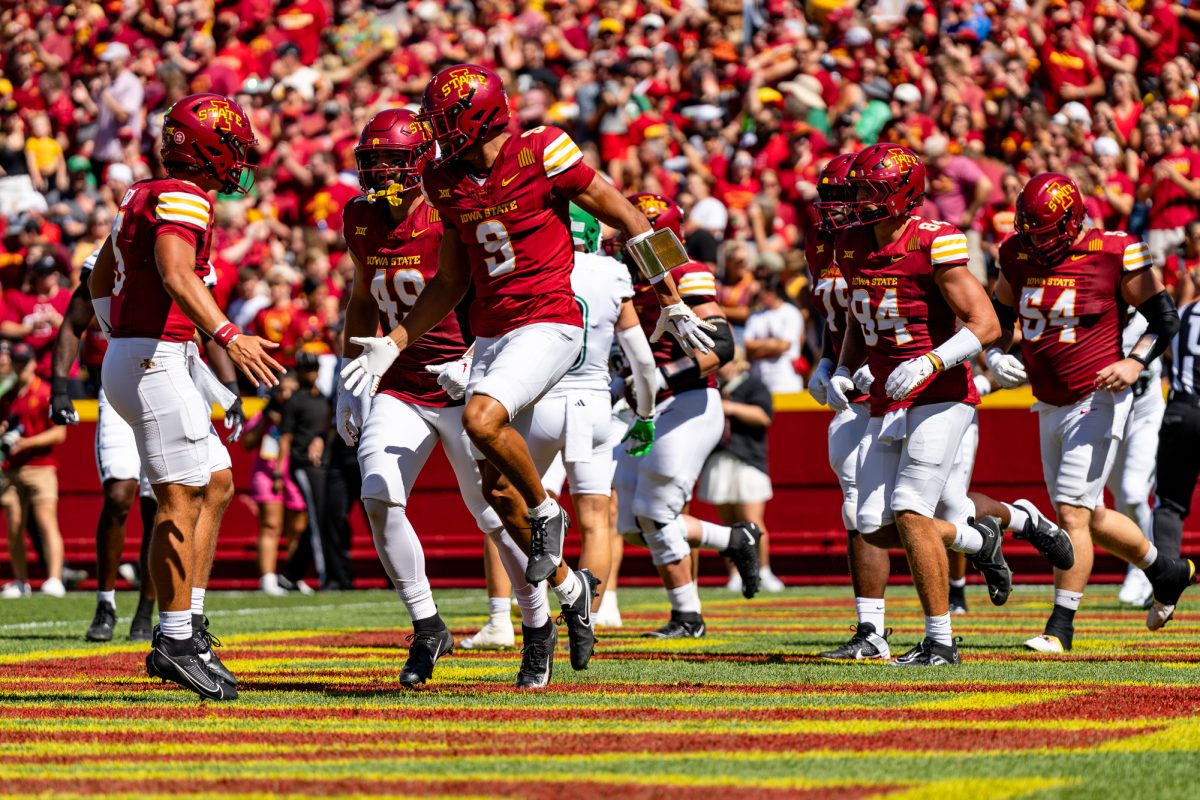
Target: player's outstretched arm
{"points": [[636, 347], [1007, 369], [442, 294], [66, 349], [176, 260]]}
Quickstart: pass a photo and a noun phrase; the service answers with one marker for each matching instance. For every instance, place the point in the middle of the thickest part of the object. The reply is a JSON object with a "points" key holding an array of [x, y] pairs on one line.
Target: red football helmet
{"points": [[894, 180], [661, 212], [210, 133], [392, 151], [833, 193], [1049, 216], [461, 106]]}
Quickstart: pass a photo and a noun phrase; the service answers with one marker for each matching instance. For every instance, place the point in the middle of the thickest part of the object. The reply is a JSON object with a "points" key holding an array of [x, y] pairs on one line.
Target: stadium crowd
{"points": [[728, 107]]}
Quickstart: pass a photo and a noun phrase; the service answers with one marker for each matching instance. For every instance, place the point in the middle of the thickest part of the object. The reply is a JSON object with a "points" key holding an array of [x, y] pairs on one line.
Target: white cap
{"points": [[1077, 112], [936, 145], [1106, 146], [115, 51], [652, 21], [806, 89], [121, 173], [907, 93], [858, 36]]}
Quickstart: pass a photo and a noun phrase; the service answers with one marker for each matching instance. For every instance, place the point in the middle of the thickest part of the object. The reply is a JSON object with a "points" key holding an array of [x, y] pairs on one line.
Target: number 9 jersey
{"points": [[397, 261], [896, 300], [1072, 314], [515, 226]]}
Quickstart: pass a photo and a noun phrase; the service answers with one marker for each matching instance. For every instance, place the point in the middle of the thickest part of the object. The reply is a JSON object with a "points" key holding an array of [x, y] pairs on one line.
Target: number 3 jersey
{"points": [[515, 228], [1072, 314], [397, 261], [895, 298], [141, 308]]}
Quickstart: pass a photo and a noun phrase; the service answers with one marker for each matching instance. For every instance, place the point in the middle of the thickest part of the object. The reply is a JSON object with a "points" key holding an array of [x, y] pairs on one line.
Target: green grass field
{"points": [[744, 713]]}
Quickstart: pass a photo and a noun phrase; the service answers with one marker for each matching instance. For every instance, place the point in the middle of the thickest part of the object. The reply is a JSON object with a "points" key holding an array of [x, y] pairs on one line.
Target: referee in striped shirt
{"points": [[1179, 437]]}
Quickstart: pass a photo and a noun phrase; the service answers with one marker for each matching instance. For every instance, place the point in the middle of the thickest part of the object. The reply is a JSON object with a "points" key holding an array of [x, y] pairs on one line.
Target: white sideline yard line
{"points": [[248, 612]]}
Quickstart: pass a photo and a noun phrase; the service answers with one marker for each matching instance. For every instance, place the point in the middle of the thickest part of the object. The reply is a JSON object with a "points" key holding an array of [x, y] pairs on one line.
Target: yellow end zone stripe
{"points": [[252, 405]]}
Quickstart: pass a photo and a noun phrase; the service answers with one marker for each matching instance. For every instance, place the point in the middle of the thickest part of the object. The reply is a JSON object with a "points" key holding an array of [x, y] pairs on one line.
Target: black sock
{"points": [[1061, 624], [543, 632], [1156, 571], [429, 624]]}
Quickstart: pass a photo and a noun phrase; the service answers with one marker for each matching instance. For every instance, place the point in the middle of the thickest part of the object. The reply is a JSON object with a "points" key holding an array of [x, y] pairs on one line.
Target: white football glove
{"points": [[908, 376], [349, 416], [688, 329], [818, 384], [453, 376], [863, 379], [840, 384], [1007, 369], [361, 376]]}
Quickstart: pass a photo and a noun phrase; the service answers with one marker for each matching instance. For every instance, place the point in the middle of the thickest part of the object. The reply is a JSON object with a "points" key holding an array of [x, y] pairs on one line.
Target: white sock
{"points": [[966, 539], [685, 599], [107, 597], [870, 609], [713, 536], [548, 508], [535, 611], [958, 583], [938, 629], [1067, 599], [609, 601], [498, 610], [569, 590], [1150, 557], [175, 624], [1017, 517], [198, 602]]}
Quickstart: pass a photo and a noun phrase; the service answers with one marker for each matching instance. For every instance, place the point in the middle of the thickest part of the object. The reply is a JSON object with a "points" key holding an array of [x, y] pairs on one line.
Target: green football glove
{"points": [[642, 436]]}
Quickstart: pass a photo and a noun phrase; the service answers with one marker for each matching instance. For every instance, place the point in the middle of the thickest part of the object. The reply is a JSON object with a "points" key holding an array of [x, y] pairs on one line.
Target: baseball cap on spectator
{"points": [[118, 172], [858, 36], [936, 146], [652, 21], [45, 263], [1077, 112], [639, 52], [287, 49], [806, 89], [907, 93], [78, 163], [428, 11], [307, 361], [21, 354], [611, 25], [1106, 146], [705, 112], [115, 51]]}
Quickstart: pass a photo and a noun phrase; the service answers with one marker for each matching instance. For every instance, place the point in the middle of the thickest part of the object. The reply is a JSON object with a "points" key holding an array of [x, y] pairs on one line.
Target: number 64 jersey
{"points": [[895, 298], [1072, 314]]}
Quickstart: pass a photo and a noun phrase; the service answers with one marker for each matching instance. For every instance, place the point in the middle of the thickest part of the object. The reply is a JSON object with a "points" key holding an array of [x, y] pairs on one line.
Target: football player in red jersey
{"points": [[393, 235], [504, 206], [149, 293], [654, 488], [869, 565], [909, 290], [1071, 287]]}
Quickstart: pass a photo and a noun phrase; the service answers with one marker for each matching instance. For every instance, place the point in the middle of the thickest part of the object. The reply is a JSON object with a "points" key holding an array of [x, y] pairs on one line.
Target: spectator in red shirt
{"points": [[35, 316], [1071, 74], [1156, 30], [328, 196], [275, 322], [303, 22], [1171, 182], [28, 439], [1114, 189], [999, 218]]}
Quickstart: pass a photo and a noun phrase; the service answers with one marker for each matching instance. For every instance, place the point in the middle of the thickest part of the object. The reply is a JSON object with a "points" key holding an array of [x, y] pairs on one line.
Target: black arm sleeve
{"points": [[1005, 313], [1162, 321], [722, 338], [682, 375]]}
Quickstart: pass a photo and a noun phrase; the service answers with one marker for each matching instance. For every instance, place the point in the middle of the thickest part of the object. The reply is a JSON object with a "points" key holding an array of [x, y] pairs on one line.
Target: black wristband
{"points": [[232, 386], [60, 386]]}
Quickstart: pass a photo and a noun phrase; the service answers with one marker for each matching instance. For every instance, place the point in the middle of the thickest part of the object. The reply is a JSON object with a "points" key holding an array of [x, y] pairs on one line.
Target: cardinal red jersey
{"points": [[515, 229], [895, 298], [150, 209], [29, 408], [1072, 314], [397, 262], [697, 286], [830, 290]]}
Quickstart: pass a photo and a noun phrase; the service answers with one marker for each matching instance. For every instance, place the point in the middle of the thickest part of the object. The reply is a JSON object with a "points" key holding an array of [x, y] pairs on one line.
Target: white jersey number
{"points": [[832, 293], [494, 238], [886, 317], [1061, 314], [119, 282], [397, 296]]}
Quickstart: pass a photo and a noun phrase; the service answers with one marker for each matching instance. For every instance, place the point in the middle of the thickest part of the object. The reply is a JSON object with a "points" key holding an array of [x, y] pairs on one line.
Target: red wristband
{"points": [[226, 333]]}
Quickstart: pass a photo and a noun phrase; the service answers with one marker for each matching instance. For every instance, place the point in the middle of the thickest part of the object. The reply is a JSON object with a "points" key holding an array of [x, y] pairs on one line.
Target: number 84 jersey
{"points": [[896, 301], [397, 261], [1072, 314]]}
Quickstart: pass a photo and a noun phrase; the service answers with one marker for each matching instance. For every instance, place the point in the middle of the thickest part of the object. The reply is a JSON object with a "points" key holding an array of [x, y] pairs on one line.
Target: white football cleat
{"points": [[493, 636], [608, 615], [769, 581], [1136, 591], [15, 589], [53, 587], [735, 583], [269, 584], [1045, 644]]}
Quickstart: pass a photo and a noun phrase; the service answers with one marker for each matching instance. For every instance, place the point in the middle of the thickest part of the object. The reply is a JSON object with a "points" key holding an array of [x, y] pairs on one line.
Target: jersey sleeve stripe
{"points": [[949, 249], [184, 216], [697, 285], [1137, 256], [186, 199], [560, 155]]}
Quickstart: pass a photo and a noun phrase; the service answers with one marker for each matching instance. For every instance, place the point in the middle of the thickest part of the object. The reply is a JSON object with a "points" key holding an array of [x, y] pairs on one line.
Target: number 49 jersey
{"points": [[896, 301], [1072, 314], [397, 261], [515, 227]]}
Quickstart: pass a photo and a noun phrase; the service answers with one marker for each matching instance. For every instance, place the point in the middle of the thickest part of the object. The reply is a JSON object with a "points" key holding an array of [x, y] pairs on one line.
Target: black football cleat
{"points": [[864, 645], [205, 642], [424, 650], [683, 625], [929, 653], [1178, 575], [537, 656], [101, 629], [1050, 540], [578, 616], [743, 552], [990, 560], [958, 600], [142, 627], [546, 536], [176, 660]]}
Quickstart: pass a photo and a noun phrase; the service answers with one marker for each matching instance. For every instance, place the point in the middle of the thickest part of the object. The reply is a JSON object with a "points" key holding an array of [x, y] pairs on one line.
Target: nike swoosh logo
{"points": [[1078, 258], [898, 258], [509, 179], [415, 234]]}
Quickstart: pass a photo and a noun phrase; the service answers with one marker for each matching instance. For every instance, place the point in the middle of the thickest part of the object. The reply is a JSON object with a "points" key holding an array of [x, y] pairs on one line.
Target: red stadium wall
{"points": [[807, 544]]}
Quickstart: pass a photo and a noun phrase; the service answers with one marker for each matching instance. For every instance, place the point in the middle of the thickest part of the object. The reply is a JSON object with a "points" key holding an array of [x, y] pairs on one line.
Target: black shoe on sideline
{"points": [[578, 616], [743, 552], [990, 560], [205, 642], [537, 656], [176, 660], [101, 629], [424, 649], [929, 653], [683, 625], [142, 627]]}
